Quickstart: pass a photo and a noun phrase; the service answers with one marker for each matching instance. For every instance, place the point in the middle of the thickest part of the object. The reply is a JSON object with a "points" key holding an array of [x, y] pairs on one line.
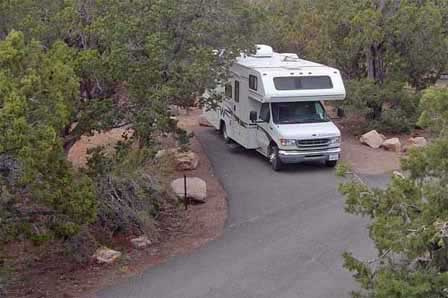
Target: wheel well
{"points": [[272, 144], [222, 123]]}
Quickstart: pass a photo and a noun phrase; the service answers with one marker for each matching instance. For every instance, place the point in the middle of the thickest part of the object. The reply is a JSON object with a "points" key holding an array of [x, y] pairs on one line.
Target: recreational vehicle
{"points": [[273, 104]]}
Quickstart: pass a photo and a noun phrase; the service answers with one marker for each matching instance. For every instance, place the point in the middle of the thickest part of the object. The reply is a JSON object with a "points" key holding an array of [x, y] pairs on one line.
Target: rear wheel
{"points": [[274, 158], [225, 135], [331, 163]]}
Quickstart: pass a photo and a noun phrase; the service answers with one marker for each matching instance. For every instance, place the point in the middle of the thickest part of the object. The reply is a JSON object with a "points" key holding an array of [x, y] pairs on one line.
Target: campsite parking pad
{"points": [[284, 237]]}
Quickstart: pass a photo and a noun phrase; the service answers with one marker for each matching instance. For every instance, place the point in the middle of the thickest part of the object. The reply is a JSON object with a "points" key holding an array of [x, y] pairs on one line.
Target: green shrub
{"points": [[390, 107], [129, 199]]}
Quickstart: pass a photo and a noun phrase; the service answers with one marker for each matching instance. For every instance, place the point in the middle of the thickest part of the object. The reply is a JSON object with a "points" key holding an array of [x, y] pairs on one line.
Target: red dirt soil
{"points": [[51, 275]]}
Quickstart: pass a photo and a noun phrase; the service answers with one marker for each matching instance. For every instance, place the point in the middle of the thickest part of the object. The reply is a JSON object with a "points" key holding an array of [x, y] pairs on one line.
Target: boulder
{"points": [[417, 142], [399, 174], [164, 152], [106, 255], [372, 139], [196, 189], [186, 161], [393, 144], [141, 242], [204, 122]]}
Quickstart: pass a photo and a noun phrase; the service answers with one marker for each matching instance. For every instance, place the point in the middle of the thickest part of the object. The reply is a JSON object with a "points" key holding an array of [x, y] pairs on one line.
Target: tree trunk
{"points": [[371, 64], [375, 63]]}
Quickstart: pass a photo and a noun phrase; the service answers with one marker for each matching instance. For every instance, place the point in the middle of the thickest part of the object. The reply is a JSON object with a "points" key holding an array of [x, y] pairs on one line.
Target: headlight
{"points": [[286, 142], [335, 141]]}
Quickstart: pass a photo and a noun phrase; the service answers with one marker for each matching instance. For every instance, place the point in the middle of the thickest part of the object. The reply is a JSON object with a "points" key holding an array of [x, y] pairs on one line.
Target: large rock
{"points": [[106, 255], [399, 174], [417, 142], [141, 242], [393, 144], [204, 122], [186, 161], [373, 139], [196, 189], [165, 152]]}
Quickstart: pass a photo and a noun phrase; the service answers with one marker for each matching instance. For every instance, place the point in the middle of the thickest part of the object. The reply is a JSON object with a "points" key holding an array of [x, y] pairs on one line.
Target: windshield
{"points": [[298, 112]]}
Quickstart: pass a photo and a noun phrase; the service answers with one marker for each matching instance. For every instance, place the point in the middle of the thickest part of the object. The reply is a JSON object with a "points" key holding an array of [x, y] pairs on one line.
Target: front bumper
{"points": [[294, 156]]}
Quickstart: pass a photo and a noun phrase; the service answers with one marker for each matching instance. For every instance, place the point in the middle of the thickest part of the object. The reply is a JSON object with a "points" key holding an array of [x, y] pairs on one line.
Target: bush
{"points": [[129, 198], [393, 121], [390, 107]]}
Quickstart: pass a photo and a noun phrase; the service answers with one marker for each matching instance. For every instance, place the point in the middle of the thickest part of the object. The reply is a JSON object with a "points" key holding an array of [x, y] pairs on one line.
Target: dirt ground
{"points": [[50, 275], [363, 159]]}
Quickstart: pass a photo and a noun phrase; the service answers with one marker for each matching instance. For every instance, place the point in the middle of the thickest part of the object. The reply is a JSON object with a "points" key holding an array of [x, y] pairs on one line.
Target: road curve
{"points": [[284, 237]]}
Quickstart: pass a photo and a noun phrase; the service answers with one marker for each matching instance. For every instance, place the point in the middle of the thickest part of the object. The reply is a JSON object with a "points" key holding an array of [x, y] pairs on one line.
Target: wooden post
{"points": [[185, 192]]}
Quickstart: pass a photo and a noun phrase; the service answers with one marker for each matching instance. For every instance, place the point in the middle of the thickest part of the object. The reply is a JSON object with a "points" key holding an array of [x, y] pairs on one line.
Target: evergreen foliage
{"points": [[409, 219]]}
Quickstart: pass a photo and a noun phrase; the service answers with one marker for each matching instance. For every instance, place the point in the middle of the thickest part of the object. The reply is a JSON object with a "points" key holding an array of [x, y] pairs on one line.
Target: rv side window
{"points": [[253, 82], [265, 114], [237, 91], [228, 90], [303, 83]]}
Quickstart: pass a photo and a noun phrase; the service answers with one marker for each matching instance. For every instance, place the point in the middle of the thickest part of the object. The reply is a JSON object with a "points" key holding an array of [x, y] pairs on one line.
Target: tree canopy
{"points": [[409, 218], [64, 66]]}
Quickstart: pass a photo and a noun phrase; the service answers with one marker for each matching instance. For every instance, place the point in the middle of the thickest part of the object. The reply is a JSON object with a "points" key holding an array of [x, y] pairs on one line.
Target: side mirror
{"points": [[253, 116]]}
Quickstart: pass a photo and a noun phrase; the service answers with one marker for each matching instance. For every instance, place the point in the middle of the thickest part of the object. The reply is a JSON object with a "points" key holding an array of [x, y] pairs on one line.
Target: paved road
{"points": [[284, 238]]}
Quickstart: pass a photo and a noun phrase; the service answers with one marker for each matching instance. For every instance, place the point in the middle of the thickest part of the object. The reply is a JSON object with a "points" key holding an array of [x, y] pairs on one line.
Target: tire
{"points": [[331, 163], [274, 158], [227, 140]]}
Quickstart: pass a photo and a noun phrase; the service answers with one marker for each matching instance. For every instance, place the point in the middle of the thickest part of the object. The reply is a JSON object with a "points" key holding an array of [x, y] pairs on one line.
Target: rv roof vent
{"points": [[264, 51], [289, 57]]}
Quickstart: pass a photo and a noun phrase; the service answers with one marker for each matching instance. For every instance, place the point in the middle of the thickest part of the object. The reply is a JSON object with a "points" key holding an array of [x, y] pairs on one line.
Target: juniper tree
{"points": [[409, 219]]}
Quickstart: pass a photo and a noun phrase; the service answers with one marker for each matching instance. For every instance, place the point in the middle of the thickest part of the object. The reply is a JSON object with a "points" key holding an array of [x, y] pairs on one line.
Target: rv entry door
{"points": [[264, 129], [237, 123]]}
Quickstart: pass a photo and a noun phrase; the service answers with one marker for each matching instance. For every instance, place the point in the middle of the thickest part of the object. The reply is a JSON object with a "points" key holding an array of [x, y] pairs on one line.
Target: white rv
{"points": [[273, 104]]}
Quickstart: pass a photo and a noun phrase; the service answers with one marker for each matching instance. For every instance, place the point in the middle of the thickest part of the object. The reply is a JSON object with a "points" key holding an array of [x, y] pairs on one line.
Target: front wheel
{"points": [[331, 163], [274, 158]]}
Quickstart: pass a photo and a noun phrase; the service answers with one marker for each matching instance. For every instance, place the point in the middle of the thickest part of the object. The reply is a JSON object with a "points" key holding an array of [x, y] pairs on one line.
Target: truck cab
{"points": [[294, 132]]}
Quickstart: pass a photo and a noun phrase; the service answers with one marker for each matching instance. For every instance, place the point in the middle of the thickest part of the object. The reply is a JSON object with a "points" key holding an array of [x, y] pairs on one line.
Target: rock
{"points": [[186, 161], [417, 142], [393, 144], [399, 174], [106, 255], [164, 152], [141, 242], [196, 189], [372, 139], [204, 122]]}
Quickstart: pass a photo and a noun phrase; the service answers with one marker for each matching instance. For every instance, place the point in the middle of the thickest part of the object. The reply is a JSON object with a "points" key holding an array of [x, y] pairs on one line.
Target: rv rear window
{"points": [[303, 83]]}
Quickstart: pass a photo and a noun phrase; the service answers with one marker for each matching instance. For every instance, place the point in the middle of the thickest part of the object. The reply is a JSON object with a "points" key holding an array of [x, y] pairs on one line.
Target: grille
{"points": [[313, 143]]}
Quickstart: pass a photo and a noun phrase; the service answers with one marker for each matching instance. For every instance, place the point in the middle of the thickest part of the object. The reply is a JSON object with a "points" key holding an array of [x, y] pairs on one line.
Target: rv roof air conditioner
{"points": [[264, 51]]}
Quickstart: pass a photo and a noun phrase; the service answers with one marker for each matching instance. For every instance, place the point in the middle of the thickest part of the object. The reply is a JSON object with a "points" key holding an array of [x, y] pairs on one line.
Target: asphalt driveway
{"points": [[284, 237]]}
